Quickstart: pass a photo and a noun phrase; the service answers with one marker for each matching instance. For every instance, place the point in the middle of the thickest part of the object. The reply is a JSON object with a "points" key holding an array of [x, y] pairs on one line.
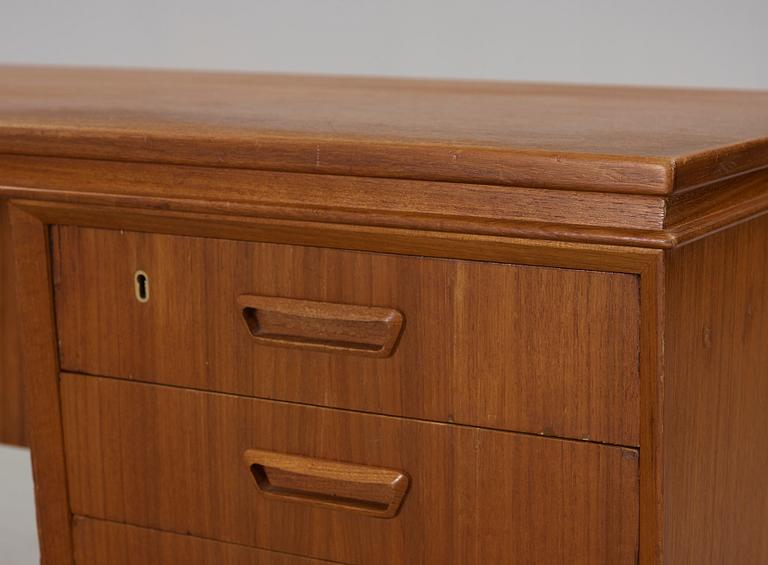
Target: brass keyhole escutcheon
{"points": [[141, 286]]}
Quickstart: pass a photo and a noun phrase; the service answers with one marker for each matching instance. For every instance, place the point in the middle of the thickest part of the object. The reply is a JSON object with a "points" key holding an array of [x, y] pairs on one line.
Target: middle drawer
{"points": [[343, 486], [540, 350]]}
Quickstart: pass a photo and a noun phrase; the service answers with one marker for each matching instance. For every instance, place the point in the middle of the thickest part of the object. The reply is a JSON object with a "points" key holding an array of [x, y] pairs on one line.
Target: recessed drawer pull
{"points": [[322, 326], [332, 484]]}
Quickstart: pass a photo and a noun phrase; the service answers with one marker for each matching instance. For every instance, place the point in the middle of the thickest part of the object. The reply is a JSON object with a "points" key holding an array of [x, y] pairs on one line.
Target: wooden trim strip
{"points": [[238, 191], [610, 258], [567, 216], [518, 229], [651, 410], [695, 214]]}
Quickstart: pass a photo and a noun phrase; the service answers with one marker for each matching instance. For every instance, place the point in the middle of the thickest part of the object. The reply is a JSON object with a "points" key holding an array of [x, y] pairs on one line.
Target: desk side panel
{"points": [[716, 399]]}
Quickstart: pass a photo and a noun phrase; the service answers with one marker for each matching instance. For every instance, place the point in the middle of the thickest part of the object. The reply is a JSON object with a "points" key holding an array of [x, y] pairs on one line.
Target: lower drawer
{"points": [[107, 543], [324, 483]]}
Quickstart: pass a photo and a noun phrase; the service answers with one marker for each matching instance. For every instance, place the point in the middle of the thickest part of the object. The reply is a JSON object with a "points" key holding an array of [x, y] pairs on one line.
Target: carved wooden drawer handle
{"points": [[343, 486], [322, 326]]}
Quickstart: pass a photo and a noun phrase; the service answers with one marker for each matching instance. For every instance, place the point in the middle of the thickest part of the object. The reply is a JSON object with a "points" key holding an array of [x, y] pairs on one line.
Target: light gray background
{"points": [[18, 537], [672, 42], [678, 42]]}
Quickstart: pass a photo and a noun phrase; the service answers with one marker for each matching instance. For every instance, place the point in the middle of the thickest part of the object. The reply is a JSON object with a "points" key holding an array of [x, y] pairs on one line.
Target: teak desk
{"points": [[274, 320]]}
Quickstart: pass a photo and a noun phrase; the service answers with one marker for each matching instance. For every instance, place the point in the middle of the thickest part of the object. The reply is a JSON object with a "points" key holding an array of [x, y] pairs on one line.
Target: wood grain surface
{"points": [[107, 543], [716, 399], [413, 243], [337, 485], [545, 351], [614, 139], [321, 326], [13, 420], [655, 221], [327, 197], [651, 411], [37, 333], [663, 352], [169, 458]]}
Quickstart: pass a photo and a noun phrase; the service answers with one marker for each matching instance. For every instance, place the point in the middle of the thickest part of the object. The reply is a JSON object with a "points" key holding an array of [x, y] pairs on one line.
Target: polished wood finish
{"points": [[627, 224], [372, 491], [156, 456], [13, 420], [100, 543], [451, 245], [38, 334], [561, 215], [651, 411], [321, 326], [614, 139], [716, 399], [546, 351], [403, 203]]}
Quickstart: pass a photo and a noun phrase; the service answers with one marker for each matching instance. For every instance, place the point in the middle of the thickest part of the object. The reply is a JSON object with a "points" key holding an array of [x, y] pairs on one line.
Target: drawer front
{"points": [[108, 543], [194, 462], [540, 350]]}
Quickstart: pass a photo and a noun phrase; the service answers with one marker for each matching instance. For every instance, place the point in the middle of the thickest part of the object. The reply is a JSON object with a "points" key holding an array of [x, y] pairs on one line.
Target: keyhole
{"points": [[142, 286]]}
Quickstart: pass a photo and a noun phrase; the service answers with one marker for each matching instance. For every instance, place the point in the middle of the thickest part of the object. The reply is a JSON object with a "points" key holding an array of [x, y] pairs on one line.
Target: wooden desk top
{"points": [[608, 139]]}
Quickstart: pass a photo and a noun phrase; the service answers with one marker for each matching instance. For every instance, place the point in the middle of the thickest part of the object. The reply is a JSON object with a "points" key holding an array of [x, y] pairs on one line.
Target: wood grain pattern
{"points": [[327, 197], [453, 245], [638, 140], [651, 411], [321, 326], [238, 195], [642, 262], [544, 351], [669, 356], [716, 399], [337, 485], [38, 335], [697, 213], [101, 543], [170, 458], [13, 420]]}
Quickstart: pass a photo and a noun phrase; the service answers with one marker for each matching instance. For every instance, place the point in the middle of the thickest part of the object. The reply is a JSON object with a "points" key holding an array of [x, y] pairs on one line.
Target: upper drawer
{"points": [[540, 350]]}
